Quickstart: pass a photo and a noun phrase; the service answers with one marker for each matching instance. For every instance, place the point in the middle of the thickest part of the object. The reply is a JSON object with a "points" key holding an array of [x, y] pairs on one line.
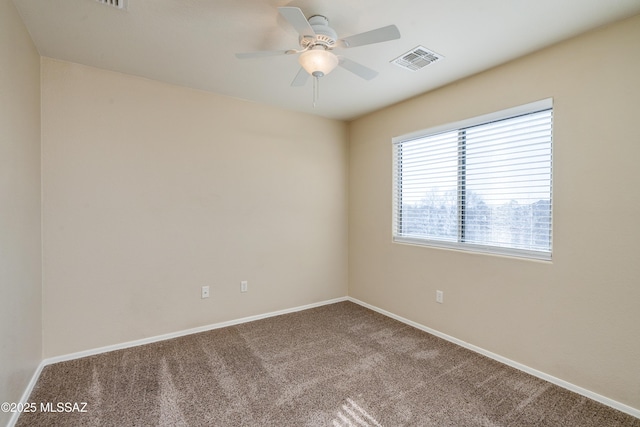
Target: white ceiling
{"points": [[192, 42]]}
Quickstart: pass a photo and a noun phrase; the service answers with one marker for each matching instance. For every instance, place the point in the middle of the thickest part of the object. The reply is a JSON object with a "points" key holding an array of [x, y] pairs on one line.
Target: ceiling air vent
{"points": [[118, 4], [417, 58]]}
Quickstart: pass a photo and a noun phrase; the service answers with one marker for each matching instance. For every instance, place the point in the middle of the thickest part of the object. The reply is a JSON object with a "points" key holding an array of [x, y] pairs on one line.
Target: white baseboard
{"points": [[26, 393], [557, 381], [128, 344], [182, 333]]}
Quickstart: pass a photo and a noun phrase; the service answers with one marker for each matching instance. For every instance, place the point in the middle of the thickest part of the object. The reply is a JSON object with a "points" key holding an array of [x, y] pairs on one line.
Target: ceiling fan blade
{"points": [[379, 35], [357, 68], [264, 54], [301, 78], [296, 18]]}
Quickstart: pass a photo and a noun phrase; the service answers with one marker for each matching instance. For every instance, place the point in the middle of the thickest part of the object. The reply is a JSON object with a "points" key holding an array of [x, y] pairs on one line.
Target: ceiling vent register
{"points": [[417, 58], [118, 4]]}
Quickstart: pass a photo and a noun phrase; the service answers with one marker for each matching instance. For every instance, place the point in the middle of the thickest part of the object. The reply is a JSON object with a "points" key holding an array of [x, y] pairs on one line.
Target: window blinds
{"points": [[484, 185]]}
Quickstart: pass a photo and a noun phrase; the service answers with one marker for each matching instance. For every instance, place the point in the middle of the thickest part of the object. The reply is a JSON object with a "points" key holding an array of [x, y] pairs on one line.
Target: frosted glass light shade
{"points": [[318, 62]]}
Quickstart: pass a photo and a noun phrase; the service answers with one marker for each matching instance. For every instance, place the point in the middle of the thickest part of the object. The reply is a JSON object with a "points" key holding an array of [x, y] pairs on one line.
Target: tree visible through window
{"points": [[481, 186]]}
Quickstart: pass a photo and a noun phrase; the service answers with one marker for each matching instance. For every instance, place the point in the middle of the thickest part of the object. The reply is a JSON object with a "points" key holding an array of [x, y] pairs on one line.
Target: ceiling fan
{"points": [[317, 41]]}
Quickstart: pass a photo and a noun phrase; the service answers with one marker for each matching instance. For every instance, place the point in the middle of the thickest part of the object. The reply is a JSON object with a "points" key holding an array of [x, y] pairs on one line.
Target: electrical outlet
{"points": [[204, 292], [244, 286], [439, 297]]}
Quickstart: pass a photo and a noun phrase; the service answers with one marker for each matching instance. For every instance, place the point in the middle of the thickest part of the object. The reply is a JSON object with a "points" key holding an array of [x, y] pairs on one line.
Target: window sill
{"points": [[473, 248]]}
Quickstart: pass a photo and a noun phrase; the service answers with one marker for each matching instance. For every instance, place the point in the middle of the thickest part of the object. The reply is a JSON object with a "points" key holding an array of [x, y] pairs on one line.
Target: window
{"points": [[483, 184]]}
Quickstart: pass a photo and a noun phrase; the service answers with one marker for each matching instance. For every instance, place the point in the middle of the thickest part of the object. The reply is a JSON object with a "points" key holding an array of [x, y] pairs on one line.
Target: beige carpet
{"points": [[337, 365]]}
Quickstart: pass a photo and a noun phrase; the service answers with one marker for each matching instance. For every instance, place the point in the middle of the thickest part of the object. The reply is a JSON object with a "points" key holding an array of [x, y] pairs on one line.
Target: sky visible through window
{"points": [[490, 171]]}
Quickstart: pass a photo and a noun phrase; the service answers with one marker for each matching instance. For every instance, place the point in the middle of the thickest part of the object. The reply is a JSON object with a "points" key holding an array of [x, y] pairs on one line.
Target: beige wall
{"points": [[576, 318], [151, 191], [20, 261]]}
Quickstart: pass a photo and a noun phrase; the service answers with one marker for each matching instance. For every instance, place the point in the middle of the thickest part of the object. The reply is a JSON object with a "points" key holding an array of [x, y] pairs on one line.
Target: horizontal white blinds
{"points": [[487, 185]]}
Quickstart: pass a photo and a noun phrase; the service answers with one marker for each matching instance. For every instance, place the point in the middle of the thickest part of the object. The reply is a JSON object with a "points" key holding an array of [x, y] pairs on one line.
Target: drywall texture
{"points": [[151, 191], [575, 318], [20, 261]]}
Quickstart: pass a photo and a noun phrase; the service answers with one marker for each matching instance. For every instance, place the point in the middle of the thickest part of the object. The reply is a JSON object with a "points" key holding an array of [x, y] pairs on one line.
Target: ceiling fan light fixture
{"points": [[318, 62]]}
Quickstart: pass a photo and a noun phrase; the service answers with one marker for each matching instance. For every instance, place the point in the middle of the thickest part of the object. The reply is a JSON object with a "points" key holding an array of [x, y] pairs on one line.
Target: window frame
{"points": [[461, 126]]}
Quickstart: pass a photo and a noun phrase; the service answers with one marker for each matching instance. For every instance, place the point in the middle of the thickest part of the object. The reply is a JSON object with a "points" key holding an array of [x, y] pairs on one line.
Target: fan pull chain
{"points": [[316, 90]]}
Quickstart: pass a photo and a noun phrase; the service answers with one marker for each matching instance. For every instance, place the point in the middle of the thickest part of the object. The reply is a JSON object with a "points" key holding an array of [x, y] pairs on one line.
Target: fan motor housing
{"points": [[325, 35]]}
